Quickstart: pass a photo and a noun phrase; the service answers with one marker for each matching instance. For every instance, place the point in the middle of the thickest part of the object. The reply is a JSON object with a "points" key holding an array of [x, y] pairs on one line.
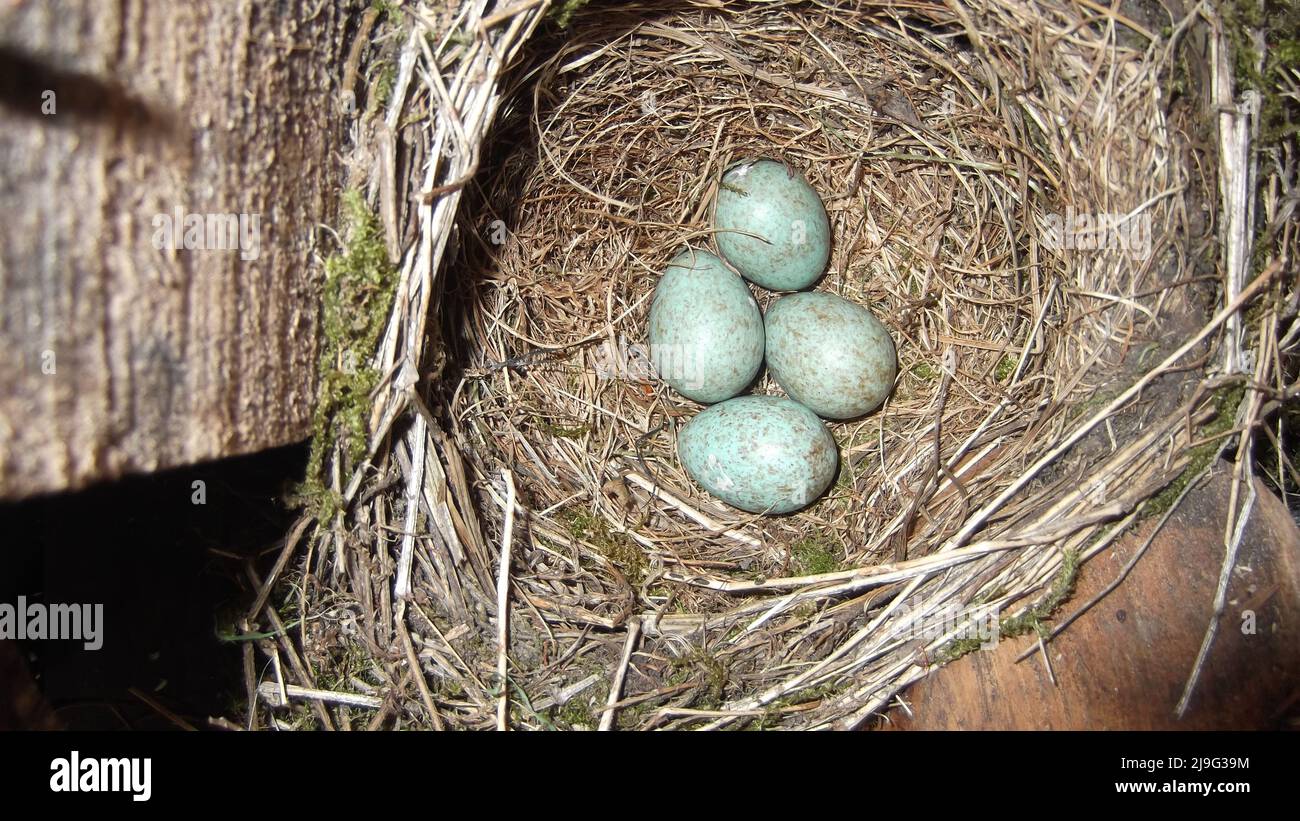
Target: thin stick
{"points": [[505, 14], [846, 581], [503, 603], [414, 661], [416, 441], [663, 692], [161, 710], [281, 634], [1220, 599], [616, 688], [290, 543], [1047, 661], [1233, 532], [691, 513], [271, 693]]}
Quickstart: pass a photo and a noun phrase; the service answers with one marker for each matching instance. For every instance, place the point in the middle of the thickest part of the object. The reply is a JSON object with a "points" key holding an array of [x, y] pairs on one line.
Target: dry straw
{"points": [[522, 547]]}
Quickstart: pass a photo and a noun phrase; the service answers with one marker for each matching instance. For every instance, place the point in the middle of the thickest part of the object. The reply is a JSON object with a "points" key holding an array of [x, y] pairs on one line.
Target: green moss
{"points": [[634, 716], [818, 553], [1005, 367], [1034, 619], [771, 716], [562, 13], [710, 671], [357, 296], [561, 431], [381, 88], [581, 523], [1279, 114], [925, 371], [621, 550], [1061, 590], [349, 661], [389, 11], [1226, 401], [449, 689], [576, 714], [957, 648]]}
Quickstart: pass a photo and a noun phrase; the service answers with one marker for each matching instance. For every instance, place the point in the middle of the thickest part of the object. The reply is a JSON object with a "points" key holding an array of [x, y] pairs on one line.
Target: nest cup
{"points": [[958, 150]]}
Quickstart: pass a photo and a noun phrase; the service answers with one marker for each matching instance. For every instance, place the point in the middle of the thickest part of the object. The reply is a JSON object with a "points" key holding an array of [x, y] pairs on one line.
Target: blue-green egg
{"points": [[771, 225], [830, 354], [763, 454], [706, 331]]}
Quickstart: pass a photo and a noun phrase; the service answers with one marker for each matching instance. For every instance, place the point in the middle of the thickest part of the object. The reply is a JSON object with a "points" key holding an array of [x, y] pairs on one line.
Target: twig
{"points": [[1220, 600], [271, 694], [157, 707], [1231, 309], [1047, 661], [1236, 180], [691, 513], [281, 634], [264, 592], [662, 692], [940, 400], [417, 441], [503, 603], [399, 618], [1233, 531], [616, 687]]}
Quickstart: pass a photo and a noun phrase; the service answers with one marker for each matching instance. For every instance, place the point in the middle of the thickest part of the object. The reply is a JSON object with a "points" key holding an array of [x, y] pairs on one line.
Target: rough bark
{"points": [[120, 356]]}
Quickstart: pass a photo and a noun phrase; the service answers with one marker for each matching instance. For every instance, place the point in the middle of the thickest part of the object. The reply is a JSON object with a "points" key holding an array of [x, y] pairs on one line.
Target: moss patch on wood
{"points": [[1279, 20], [358, 294]]}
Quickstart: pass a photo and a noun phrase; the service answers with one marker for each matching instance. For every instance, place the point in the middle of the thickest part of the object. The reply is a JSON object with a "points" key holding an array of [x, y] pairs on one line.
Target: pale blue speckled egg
{"points": [[706, 331], [830, 354], [763, 454], [791, 235]]}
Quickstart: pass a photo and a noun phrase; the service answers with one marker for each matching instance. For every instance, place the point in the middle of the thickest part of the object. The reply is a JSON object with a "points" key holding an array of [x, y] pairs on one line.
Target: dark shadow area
{"points": [[168, 572]]}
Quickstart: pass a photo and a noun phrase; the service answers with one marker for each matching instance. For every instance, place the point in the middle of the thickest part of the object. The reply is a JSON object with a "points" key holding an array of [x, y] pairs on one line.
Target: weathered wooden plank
{"points": [[123, 352]]}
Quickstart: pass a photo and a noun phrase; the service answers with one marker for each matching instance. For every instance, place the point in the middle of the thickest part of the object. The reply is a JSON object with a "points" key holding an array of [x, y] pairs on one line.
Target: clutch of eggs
{"points": [[708, 340]]}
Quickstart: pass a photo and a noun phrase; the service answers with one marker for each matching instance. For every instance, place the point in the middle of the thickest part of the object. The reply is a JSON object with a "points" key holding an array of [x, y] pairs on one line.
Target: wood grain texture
{"points": [[1123, 664], [161, 357]]}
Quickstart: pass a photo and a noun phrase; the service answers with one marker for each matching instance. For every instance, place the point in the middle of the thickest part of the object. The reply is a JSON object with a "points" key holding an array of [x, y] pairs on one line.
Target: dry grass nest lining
{"points": [[941, 140]]}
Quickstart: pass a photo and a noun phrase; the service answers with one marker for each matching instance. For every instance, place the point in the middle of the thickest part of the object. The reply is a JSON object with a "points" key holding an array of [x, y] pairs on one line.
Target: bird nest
{"points": [[1009, 192]]}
